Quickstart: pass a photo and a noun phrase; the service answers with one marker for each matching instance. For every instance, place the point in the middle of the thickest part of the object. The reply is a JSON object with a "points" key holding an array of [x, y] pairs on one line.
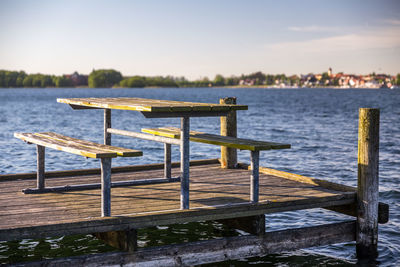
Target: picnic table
{"points": [[153, 108]]}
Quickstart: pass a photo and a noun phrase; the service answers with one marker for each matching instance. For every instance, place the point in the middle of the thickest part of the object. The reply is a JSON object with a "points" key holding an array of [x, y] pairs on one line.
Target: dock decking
{"points": [[215, 193]]}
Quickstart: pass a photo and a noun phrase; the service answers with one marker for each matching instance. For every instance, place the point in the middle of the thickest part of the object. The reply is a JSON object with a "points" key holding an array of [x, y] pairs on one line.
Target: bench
{"points": [[253, 146], [79, 147]]}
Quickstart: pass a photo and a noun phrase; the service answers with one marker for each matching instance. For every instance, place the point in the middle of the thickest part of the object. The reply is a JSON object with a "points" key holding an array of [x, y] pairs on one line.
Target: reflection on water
{"points": [[320, 124]]}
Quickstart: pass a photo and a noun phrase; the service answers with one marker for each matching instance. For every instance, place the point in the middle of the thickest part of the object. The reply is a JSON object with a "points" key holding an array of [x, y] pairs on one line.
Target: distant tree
{"points": [[36, 80], [20, 79], [104, 78], [230, 81], [46, 81], [62, 81], [27, 82], [269, 79], [325, 76], [398, 79], [133, 82], [219, 80], [259, 77]]}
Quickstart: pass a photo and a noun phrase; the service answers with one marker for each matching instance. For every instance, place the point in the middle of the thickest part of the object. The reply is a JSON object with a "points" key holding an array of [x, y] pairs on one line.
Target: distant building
{"points": [[330, 72], [78, 79]]}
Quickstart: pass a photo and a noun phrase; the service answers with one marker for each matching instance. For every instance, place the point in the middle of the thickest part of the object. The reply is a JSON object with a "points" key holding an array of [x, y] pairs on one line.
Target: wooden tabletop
{"points": [[148, 105]]}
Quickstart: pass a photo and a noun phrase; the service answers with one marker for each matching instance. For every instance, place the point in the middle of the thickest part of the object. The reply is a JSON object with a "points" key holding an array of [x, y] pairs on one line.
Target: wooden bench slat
{"points": [[75, 146], [233, 142], [122, 152], [63, 146]]}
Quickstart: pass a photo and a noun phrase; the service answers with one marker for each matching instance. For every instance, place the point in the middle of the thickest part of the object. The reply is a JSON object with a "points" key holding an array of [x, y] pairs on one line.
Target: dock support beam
{"points": [[368, 182], [122, 240], [228, 128], [254, 225]]}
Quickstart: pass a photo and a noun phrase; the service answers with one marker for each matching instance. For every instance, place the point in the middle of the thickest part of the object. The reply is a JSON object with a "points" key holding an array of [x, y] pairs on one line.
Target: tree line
{"points": [[106, 78], [14, 79]]}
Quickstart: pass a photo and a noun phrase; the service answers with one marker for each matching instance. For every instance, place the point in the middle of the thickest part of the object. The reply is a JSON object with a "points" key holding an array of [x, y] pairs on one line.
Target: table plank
{"points": [[149, 105]]}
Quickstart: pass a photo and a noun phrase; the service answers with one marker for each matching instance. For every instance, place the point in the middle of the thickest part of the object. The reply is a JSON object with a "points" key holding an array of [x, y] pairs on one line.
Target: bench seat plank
{"points": [[75, 146], [121, 152], [233, 142]]}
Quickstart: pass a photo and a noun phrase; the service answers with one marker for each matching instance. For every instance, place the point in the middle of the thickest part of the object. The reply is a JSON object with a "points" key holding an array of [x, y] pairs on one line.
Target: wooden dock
{"points": [[216, 193], [33, 215]]}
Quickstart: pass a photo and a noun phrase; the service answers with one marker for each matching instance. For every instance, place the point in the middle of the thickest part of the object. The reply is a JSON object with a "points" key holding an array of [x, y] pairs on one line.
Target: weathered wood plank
{"points": [[351, 210], [80, 187], [120, 169], [63, 146], [213, 139], [212, 251], [148, 105], [161, 139], [122, 152], [166, 217]]}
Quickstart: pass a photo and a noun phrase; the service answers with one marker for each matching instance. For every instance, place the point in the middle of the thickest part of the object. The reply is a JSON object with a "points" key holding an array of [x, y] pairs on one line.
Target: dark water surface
{"points": [[321, 125]]}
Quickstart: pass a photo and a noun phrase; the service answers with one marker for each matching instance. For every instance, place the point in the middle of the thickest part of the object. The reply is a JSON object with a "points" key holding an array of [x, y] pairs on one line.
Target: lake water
{"points": [[321, 125]]}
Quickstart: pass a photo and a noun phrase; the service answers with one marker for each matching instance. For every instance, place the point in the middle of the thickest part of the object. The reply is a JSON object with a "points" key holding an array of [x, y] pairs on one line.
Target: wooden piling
{"points": [[228, 128], [368, 181], [122, 240]]}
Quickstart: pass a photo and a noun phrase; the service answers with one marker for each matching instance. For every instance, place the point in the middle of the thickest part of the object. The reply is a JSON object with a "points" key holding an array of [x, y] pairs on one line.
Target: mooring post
{"points": [[228, 128], [40, 151], [254, 225], [107, 124], [368, 184]]}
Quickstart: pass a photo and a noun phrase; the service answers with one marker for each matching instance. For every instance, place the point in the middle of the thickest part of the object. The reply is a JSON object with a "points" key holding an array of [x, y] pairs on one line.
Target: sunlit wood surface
{"points": [[209, 186]]}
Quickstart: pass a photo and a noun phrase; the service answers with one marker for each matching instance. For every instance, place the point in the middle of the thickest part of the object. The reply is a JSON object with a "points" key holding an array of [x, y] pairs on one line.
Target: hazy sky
{"points": [[200, 38]]}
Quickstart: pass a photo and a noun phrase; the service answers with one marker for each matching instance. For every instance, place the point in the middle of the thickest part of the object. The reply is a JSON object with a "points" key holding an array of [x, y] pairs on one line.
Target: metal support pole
{"points": [[105, 187], [184, 146], [107, 124], [228, 128], [167, 161], [254, 178], [368, 184], [40, 151]]}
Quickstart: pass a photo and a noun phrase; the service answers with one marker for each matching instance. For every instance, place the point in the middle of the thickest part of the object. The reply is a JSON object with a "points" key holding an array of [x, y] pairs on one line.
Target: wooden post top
{"points": [[149, 105]]}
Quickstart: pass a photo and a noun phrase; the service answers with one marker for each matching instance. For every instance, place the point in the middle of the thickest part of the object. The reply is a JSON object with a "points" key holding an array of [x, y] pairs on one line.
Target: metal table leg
{"points": [[184, 147]]}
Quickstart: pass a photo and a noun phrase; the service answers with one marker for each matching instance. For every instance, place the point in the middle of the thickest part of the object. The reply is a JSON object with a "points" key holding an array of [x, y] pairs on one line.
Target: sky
{"points": [[199, 39]]}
